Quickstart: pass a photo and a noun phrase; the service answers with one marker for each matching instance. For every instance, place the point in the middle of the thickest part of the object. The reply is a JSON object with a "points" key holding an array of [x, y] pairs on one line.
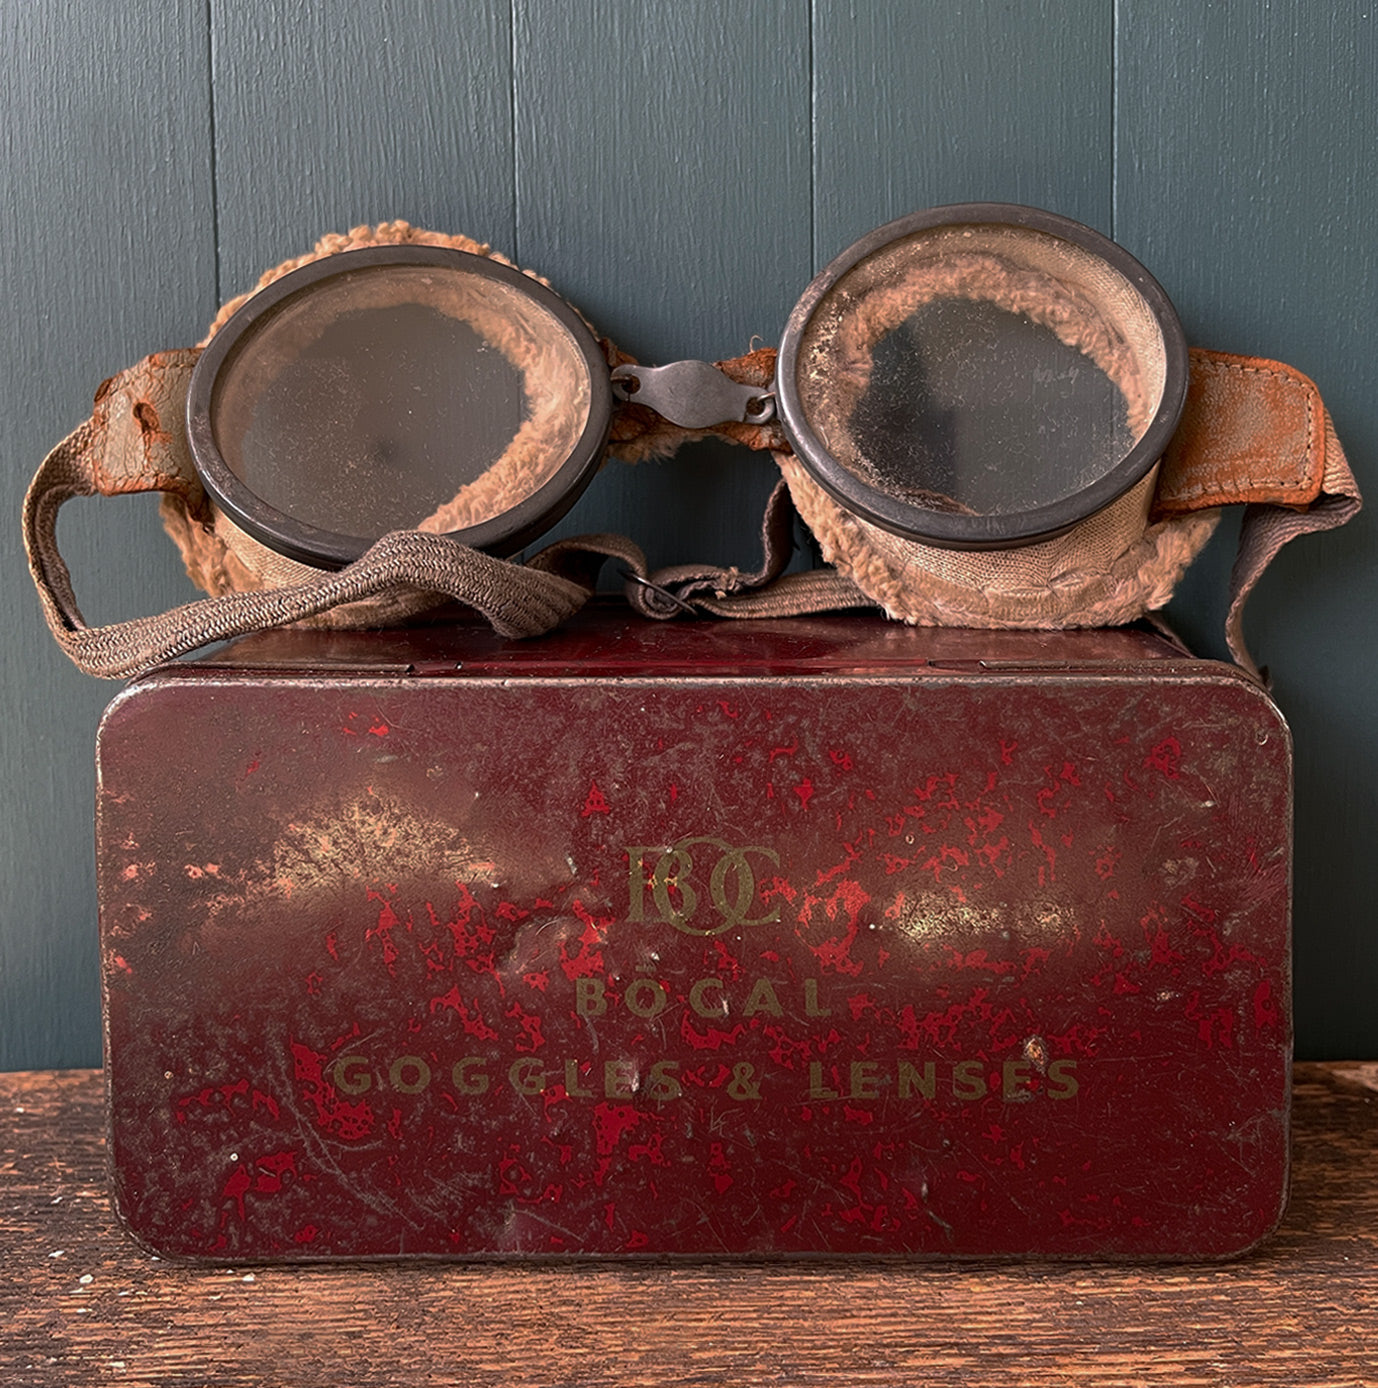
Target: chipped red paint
{"points": [[827, 936]]}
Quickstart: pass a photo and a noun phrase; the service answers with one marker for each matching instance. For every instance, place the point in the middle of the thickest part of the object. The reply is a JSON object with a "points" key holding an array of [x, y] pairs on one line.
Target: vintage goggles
{"points": [[969, 408], [974, 377]]}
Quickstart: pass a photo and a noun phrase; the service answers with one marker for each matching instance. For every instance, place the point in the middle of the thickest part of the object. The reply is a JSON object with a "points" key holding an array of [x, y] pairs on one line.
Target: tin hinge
{"points": [[432, 669]]}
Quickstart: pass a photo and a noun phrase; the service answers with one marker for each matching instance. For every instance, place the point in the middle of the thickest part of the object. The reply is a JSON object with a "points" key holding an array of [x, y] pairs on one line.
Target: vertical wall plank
{"points": [[1244, 179], [663, 166], [663, 183], [106, 254], [920, 104], [331, 115]]}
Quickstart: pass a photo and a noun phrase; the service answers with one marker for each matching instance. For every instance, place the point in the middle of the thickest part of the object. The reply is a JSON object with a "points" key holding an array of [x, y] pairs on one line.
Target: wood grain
{"points": [[80, 1305]]}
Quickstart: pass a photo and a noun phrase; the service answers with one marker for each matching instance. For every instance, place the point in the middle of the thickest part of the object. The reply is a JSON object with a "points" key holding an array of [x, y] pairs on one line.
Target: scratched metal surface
{"points": [[81, 1305], [932, 959]]}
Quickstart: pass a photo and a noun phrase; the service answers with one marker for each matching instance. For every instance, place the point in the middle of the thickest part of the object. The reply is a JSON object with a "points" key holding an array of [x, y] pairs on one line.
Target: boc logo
{"points": [[701, 886]]}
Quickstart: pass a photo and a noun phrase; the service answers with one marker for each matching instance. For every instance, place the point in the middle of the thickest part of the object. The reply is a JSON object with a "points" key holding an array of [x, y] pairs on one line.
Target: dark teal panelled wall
{"points": [[679, 170]]}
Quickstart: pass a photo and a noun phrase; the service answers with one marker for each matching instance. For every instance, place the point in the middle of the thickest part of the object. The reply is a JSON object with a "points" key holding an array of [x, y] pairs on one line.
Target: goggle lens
{"points": [[384, 396], [979, 370]]}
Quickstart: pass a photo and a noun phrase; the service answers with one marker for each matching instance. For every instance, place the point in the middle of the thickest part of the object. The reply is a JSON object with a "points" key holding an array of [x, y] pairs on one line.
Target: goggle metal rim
{"points": [[946, 530], [328, 549]]}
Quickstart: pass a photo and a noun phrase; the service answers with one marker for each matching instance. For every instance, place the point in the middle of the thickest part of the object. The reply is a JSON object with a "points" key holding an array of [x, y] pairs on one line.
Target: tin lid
{"points": [[398, 387], [606, 641]]}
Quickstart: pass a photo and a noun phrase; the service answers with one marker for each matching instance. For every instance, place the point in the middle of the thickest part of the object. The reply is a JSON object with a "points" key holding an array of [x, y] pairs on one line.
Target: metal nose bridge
{"points": [[693, 394]]}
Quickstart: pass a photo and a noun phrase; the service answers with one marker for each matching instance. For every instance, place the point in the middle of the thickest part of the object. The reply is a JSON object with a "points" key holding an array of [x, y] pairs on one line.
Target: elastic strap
{"points": [[639, 433], [1253, 432], [727, 592], [131, 444]]}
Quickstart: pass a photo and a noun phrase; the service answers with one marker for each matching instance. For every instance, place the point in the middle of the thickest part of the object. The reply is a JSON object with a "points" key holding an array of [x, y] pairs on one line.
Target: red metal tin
{"points": [[828, 936]]}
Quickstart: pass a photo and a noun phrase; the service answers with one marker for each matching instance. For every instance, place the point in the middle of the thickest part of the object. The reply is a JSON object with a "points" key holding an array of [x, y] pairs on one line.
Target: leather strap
{"points": [[1252, 431]]}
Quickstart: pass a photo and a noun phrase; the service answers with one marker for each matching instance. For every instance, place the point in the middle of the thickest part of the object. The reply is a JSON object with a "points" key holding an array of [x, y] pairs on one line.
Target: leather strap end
{"points": [[1256, 432], [1252, 431], [139, 429]]}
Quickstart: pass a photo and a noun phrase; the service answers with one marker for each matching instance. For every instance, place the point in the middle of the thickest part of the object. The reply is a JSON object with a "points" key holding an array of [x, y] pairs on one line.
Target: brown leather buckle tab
{"points": [[1252, 431]]}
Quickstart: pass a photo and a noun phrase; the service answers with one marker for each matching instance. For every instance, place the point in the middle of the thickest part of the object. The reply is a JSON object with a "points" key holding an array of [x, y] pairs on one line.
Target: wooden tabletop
{"points": [[79, 1304]]}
